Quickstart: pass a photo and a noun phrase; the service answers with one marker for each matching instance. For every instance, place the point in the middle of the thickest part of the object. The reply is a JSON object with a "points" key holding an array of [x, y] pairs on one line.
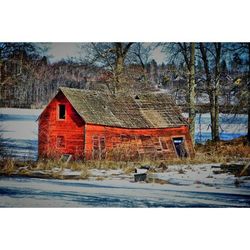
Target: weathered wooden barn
{"points": [[94, 125]]}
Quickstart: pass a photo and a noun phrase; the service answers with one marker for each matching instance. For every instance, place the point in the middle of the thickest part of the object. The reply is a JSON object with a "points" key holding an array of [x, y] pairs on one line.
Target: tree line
{"points": [[215, 74]]}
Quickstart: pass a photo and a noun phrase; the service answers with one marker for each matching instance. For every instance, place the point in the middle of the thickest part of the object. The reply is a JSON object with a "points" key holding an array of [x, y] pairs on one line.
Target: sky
{"points": [[59, 51]]}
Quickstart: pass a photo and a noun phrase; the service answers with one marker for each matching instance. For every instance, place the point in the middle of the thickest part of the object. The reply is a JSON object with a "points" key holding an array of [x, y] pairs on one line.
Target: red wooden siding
{"points": [[121, 143], [60, 136], [89, 141]]}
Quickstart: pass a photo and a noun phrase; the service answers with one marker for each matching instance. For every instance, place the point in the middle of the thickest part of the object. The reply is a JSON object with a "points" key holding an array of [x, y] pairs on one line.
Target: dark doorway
{"points": [[180, 147]]}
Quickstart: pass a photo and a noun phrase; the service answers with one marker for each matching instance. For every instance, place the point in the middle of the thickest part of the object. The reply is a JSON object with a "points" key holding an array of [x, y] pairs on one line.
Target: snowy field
{"points": [[231, 126], [194, 186], [197, 187], [19, 128]]}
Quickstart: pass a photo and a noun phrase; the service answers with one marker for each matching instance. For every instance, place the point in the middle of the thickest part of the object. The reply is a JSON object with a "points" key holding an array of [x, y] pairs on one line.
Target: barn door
{"points": [[179, 146]]}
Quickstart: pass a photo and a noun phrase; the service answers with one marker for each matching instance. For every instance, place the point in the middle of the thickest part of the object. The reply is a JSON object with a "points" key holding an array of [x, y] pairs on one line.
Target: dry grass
{"points": [[75, 166], [223, 151], [84, 167], [215, 152], [8, 166], [49, 165], [100, 178], [123, 152], [57, 175], [129, 169], [220, 152], [85, 173]]}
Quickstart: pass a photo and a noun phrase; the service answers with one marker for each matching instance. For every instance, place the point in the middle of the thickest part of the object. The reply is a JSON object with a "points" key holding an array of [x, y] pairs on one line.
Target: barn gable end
{"points": [[60, 136]]}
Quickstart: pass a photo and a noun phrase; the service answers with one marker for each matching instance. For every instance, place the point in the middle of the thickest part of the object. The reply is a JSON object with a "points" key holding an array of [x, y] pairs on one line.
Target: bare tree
{"points": [[187, 53], [110, 56], [217, 48], [244, 50], [191, 92], [248, 88], [140, 53], [211, 58]]}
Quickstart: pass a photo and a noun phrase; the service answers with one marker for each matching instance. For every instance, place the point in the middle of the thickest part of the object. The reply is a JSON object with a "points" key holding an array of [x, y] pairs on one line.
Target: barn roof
{"points": [[147, 110]]}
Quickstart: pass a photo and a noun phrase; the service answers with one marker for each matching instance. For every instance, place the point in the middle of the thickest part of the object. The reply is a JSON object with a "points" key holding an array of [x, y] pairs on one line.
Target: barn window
{"points": [[95, 143], [60, 141], [62, 111], [124, 138], [102, 143], [99, 146]]}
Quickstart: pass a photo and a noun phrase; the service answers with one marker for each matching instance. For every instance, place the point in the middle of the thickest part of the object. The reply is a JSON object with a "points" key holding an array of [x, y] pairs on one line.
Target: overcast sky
{"points": [[60, 51]]}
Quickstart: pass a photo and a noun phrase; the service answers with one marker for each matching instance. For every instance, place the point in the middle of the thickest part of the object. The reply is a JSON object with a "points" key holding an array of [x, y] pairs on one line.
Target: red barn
{"points": [[94, 125]]}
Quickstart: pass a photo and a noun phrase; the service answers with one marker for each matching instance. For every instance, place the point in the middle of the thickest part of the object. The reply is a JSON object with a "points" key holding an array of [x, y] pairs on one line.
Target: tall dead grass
{"points": [[223, 151], [8, 166], [220, 152]]}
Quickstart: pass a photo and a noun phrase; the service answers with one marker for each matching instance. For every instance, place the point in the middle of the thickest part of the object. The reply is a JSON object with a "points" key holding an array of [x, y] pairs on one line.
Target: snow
{"points": [[105, 173], [19, 124], [199, 174], [17, 111], [19, 130], [28, 192], [197, 186], [69, 172]]}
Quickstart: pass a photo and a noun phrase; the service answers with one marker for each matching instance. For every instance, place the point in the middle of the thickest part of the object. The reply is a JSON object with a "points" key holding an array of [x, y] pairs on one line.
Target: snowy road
{"points": [[28, 192]]}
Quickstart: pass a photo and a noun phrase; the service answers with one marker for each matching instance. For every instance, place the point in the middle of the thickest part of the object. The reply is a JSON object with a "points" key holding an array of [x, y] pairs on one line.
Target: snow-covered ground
{"points": [[19, 128], [194, 186], [19, 124]]}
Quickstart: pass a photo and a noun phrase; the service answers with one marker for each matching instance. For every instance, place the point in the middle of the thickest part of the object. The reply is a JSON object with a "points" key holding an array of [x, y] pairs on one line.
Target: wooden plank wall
{"points": [[129, 144]]}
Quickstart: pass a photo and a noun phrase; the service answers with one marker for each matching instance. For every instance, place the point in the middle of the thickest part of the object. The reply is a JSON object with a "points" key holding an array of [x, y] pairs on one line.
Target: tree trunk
{"points": [[212, 114], [216, 90], [0, 71], [191, 92], [248, 87], [210, 89], [188, 53], [119, 68], [216, 117], [121, 51], [0, 65]]}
